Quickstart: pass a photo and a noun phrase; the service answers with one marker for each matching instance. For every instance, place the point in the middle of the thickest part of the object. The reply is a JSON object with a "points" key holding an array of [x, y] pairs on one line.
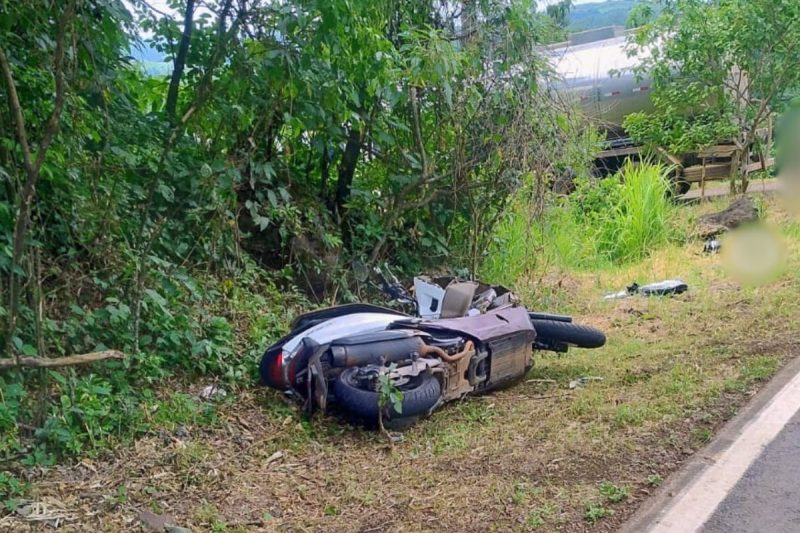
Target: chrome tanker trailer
{"points": [[594, 69]]}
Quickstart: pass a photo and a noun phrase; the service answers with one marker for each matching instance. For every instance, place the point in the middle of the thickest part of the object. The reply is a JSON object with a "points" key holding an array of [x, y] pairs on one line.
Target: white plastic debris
{"points": [[212, 392]]}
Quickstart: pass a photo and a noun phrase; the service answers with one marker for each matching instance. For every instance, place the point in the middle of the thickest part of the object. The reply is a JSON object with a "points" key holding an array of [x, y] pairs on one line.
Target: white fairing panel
{"points": [[338, 327], [429, 298]]}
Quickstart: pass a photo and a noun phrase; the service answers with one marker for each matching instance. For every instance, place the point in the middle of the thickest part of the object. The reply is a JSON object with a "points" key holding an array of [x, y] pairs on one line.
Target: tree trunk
{"points": [[180, 62], [347, 169]]}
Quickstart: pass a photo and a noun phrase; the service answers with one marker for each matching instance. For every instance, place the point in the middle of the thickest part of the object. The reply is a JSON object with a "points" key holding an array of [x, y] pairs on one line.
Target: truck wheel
{"points": [[680, 187], [420, 395]]}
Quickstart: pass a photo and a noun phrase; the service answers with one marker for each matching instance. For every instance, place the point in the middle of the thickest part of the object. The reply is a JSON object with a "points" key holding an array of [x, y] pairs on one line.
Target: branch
{"points": [[16, 111], [418, 131], [70, 360]]}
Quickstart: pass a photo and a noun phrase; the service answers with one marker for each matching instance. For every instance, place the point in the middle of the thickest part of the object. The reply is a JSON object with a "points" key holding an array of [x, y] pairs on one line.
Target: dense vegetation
{"points": [[181, 219], [721, 70]]}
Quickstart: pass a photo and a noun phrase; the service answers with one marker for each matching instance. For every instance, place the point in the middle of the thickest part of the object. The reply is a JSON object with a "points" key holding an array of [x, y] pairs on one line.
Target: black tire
{"points": [[680, 187], [420, 395], [574, 334]]}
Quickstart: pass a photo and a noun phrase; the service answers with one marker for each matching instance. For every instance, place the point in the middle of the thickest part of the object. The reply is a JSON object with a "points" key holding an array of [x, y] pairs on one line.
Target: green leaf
{"points": [[448, 95], [272, 198], [29, 350]]}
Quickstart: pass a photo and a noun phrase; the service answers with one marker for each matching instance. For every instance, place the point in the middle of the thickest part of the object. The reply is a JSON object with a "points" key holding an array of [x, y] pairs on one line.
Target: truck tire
{"points": [[420, 395], [567, 332], [680, 187]]}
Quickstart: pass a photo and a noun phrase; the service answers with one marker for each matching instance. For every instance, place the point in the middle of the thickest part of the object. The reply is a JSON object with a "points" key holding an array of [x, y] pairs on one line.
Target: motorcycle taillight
{"points": [[272, 370]]}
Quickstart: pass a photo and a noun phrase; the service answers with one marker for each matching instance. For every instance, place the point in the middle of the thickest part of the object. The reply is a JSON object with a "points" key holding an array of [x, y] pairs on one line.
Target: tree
{"points": [[559, 12], [720, 69]]}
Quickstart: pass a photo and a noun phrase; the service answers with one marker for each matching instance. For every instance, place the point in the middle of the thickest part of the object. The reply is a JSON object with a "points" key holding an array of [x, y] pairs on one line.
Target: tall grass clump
{"points": [[640, 220], [604, 222]]}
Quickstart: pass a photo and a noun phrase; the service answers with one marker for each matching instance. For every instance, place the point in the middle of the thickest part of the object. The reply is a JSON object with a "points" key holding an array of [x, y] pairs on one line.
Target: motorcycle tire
{"points": [[573, 334], [420, 395]]}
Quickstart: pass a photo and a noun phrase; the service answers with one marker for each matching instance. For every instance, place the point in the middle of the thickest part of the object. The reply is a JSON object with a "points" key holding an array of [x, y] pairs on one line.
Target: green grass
{"points": [[603, 223]]}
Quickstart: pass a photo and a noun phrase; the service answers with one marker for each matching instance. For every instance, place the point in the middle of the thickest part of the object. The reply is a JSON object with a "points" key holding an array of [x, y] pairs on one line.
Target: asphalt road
{"points": [[767, 498]]}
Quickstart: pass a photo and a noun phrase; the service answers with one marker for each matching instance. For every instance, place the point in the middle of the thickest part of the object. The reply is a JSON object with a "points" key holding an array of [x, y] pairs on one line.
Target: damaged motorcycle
{"points": [[462, 338]]}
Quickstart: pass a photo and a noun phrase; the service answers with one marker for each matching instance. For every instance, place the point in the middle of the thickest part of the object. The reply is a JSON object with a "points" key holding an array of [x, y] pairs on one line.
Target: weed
{"points": [[330, 510], [613, 493], [208, 515], [538, 516], [11, 489], [594, 513], [655, 480], [702, 436], [520, 493]]}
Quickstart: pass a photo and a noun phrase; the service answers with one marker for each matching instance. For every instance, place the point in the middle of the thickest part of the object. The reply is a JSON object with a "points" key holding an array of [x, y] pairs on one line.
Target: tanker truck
{"points": [[595, 71]]}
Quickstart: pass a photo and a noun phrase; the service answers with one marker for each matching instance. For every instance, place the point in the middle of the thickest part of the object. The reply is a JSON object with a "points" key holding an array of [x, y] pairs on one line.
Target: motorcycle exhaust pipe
{"points": [[386, 351], [392, 351]]}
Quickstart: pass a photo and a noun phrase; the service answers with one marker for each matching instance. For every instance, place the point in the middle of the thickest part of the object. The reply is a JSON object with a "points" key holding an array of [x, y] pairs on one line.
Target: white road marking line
{"points": [[698, 502]]}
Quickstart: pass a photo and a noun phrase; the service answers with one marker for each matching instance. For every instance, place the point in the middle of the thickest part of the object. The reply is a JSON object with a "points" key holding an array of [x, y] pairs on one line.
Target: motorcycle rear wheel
{"points": [[420, 395]]}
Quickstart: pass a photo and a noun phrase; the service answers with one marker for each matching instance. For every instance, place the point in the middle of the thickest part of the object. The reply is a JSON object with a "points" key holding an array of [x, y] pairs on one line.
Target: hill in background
{"points": [[601, 14]]}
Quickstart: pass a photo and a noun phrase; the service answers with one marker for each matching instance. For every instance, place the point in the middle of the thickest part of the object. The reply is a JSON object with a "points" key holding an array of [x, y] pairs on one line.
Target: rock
{"points": [[176, 529], [155, 522], [213, 392], [739, 212]]}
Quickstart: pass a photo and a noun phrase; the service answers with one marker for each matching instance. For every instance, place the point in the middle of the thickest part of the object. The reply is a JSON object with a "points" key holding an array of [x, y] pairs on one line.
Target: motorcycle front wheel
{"points": [[569, 333], [420, 395]]}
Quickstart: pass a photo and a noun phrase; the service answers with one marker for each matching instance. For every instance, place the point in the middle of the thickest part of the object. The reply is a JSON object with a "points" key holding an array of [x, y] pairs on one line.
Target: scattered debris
{"points": [[212, 392], [274, 457], [712, 246], [739, 212], [50, 512], [395, 437], [618, 295], [583, 381], [662, 288], [181, 432]]}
